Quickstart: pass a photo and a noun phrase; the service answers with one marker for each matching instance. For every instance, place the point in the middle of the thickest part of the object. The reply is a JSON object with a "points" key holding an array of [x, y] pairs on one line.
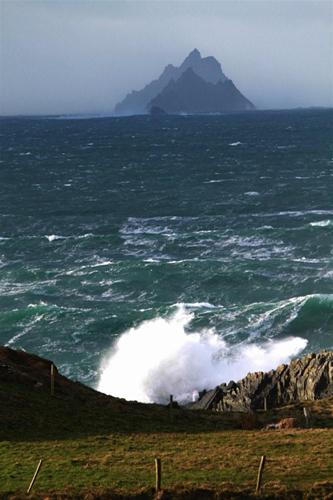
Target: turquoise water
{"points": [[107, 223]]}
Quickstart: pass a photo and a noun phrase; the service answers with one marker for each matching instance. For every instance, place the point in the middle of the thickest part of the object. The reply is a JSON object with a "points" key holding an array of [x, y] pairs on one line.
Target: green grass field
{"points": [[295, 459], [92, 443]]}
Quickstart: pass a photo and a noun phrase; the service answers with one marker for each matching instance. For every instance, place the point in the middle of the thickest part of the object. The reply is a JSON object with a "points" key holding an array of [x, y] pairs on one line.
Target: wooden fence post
{"points": [[52, 379], [307, 416], [265, 404], [171, 407], [34, 476], [260, 472], [158, 474]]}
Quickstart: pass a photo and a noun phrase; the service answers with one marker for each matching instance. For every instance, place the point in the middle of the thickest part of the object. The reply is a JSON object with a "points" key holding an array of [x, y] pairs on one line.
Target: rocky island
{"points": [[198, 85]]}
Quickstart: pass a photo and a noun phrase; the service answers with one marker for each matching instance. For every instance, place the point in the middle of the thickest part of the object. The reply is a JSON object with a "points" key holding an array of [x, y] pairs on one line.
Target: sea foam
{"points": [[158, 358], [321, 223], [53, 237]]}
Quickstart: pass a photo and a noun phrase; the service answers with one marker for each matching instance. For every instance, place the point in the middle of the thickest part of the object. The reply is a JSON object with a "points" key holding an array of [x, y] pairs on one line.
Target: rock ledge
{"points": [[305, 379]]}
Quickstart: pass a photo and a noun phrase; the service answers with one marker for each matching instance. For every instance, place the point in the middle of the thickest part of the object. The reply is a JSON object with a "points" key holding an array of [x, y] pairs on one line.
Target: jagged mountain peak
{"points": [[207, 68], [169, 69], [193, 56]]}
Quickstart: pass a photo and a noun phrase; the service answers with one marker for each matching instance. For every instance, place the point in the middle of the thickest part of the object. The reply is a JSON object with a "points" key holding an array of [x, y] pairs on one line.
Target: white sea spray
{"points": [[159, 358]]}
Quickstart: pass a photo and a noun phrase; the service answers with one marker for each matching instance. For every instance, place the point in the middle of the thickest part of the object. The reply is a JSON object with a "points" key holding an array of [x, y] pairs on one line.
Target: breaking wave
{"points": [[159, 357]]}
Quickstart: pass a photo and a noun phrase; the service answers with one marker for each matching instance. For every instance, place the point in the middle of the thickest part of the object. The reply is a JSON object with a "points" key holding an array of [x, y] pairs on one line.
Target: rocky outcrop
{"points": [[308, 378], [156, 111], [285, 423], [214, 92]]}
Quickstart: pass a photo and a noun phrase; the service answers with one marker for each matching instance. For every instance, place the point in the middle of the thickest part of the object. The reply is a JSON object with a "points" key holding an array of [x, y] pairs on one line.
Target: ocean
{"points": [[154, 256]]}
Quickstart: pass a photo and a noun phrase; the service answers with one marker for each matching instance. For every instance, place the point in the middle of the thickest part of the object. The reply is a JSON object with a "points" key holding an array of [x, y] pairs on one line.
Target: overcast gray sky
{"points": [[83, 56]]}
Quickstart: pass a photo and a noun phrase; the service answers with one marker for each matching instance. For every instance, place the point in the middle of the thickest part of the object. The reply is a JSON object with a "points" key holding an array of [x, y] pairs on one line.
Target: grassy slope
{"points": [[295, 458], [88, 440]]}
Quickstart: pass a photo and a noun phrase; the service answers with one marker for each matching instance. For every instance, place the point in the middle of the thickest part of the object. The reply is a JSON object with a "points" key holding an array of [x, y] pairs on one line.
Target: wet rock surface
{"points": [[305, 379]]}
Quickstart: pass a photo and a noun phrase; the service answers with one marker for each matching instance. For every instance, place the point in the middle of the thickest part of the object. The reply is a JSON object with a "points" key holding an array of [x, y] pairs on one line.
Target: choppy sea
{"points": [[149, 256]]}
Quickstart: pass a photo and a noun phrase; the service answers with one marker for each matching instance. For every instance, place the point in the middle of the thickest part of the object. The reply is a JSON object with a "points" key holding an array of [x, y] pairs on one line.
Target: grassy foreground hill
{"points": [[96, 446]]}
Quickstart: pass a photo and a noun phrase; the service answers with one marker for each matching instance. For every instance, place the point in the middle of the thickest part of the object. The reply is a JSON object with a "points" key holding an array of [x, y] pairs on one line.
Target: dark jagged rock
{"points": [[156, 111], [308, 378], [207, 69], [192, 94]]}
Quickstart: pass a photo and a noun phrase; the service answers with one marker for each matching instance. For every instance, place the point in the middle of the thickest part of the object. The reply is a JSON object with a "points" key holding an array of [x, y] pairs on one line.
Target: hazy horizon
{"points": [[82, 57]]}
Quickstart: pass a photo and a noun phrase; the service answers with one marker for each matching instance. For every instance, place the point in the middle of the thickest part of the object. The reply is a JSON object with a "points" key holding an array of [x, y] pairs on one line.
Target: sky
{"points": [[83, 56]]}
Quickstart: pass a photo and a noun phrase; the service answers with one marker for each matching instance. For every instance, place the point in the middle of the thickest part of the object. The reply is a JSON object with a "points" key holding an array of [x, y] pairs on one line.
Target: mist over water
{"points": [[148, 257]]}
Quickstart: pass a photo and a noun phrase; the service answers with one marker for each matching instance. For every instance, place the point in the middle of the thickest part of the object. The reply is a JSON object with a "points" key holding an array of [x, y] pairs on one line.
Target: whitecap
{"points": [[53, 237], [213, 181], [238, 143], [205, 231], [294, 213], [82, 236], [251, 193], [107, 282], [308, 261], [137, 226], [102, 263], [25, 331], [194, 305], [321, 223], [41, 303], [182, 261]]}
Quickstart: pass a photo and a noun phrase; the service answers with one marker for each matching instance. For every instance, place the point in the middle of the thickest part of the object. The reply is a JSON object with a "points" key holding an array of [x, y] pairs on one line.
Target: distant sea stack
{"points": [[198, 85]]}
